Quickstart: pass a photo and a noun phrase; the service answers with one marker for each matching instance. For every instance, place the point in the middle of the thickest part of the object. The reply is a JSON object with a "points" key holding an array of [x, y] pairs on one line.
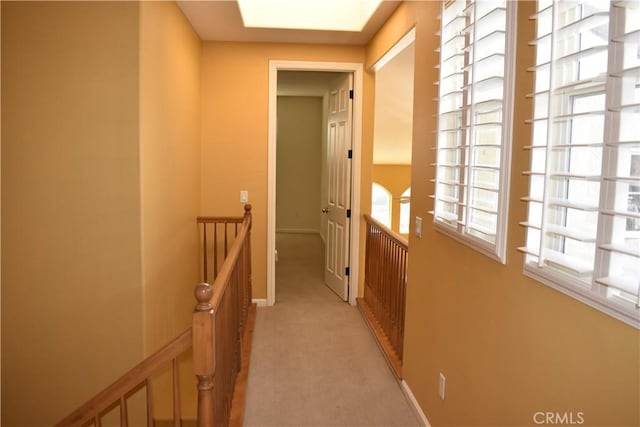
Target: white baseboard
{"points": [[297, 231], [414, 403], [260, 302]]}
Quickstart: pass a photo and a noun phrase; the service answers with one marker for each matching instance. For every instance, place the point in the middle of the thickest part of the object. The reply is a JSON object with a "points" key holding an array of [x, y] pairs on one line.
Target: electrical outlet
{"points": [[244, 196], [418, 227], [441, 386]]}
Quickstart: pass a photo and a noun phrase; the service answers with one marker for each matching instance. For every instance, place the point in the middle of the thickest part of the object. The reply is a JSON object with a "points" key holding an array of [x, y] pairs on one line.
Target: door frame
{"points": [[356, 163]]}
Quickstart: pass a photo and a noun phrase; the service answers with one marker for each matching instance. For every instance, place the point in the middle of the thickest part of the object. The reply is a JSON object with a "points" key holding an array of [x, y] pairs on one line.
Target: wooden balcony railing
{"points": [[219, 323], [220, 336], [385, 286], [218, 234]]}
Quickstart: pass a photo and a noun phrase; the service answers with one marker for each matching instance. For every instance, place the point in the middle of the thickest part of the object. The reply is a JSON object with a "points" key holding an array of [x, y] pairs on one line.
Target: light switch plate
{"points": [[244, 196], [441, 386], [418, 228]]}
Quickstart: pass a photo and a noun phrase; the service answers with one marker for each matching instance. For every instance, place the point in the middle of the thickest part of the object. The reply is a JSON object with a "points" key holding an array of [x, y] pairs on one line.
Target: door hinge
{"points": [[348, 213], [350, 93], [350, 154], [346, 271]]}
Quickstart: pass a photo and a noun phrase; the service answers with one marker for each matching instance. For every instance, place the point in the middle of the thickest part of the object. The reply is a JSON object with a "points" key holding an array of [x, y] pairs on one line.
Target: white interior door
{"points": [[337, 211]]}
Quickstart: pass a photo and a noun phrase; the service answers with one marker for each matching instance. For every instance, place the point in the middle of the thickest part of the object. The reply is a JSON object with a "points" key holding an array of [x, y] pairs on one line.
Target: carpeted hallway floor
{"points": [[314, 361]]}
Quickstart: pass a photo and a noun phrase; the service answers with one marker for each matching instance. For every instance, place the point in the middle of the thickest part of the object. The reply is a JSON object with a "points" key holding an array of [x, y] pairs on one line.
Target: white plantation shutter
{"points": [[583, 226], [474, 123]]}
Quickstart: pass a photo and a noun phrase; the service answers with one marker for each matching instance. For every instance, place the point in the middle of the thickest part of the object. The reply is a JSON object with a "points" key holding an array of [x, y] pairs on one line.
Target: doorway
{"points": [[283, 214]]}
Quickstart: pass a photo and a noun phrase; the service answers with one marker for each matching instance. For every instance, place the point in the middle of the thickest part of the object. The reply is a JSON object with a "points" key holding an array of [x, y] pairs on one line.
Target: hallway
{"points": [[314, 361]]}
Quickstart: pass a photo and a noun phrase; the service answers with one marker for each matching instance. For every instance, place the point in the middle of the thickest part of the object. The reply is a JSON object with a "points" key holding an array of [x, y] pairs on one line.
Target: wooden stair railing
{"points": [[220, 336], [140, 376], [385, 287]]}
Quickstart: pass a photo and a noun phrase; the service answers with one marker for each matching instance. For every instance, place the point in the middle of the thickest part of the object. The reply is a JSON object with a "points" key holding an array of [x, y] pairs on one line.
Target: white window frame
{"points": [[461, 231], [381, 187], [596, 293], [405, 202]]}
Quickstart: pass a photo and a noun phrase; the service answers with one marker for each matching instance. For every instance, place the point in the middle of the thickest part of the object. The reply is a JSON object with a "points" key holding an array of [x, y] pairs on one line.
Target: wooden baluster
{"points": [[403, 298], [177, 415], [97, 421], [124, 417], [393, 283], [204, 363], [204, 249], [248, 216], [225, 240], [215, 251], [150, 420]]}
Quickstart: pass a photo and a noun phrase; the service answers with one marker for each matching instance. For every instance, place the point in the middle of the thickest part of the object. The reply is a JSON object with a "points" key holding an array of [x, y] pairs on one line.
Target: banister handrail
{"points": [[392, 234], [211, 219], [129, 381]]}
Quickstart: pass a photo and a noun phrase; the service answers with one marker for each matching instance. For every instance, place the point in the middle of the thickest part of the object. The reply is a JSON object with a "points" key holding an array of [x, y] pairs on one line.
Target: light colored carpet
{"points": [[314, 361]]}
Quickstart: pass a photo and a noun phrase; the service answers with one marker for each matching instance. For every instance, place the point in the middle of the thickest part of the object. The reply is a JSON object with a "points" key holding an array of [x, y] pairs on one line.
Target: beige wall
{"points": [[396, 179], [508, 345], [71, 255], [234, 126], [170, 182], [298, 159]]}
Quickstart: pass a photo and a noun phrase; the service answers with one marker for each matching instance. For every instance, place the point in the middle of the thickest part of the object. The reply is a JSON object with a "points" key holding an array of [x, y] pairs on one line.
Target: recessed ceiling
{"points": [[325, 15], [221, 21]]}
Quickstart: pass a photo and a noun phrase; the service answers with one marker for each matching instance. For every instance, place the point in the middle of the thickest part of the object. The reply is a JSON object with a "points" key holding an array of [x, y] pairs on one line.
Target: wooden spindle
{"points": [[150, 419], [226, 249], [215, 250], [177, 414], [97, 421], [204, 250], [124, 416]]}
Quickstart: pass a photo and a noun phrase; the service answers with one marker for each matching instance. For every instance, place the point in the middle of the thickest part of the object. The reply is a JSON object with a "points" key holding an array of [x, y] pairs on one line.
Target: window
{"points": [[381, 204], [583, 226], [405, 209], [474, 122]]}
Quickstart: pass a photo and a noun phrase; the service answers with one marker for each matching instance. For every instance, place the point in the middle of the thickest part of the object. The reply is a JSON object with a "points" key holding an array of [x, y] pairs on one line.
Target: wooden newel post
{"points": [[204, 352], [249, 290]]}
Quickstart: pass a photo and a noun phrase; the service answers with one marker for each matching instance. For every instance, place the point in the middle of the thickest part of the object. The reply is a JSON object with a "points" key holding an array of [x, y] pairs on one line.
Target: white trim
{"points": [[569, 286], [469, 240], [297, 231], [354, 256], [403, 43], [414, 403], [260, 302], [583, 280], [460, 231]]}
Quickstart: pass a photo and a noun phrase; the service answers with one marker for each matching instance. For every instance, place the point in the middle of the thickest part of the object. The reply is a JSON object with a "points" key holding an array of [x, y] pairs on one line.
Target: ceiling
{"points": [[304, 83], [220, 20]]}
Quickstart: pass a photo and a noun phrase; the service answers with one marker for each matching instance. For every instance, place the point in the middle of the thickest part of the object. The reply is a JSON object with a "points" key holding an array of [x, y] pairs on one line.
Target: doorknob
{"points": [[325, 210]]}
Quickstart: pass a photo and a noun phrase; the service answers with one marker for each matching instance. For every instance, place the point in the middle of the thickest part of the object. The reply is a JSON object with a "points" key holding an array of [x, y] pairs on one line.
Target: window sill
{"points": [[626, 313], [472, 242]]}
